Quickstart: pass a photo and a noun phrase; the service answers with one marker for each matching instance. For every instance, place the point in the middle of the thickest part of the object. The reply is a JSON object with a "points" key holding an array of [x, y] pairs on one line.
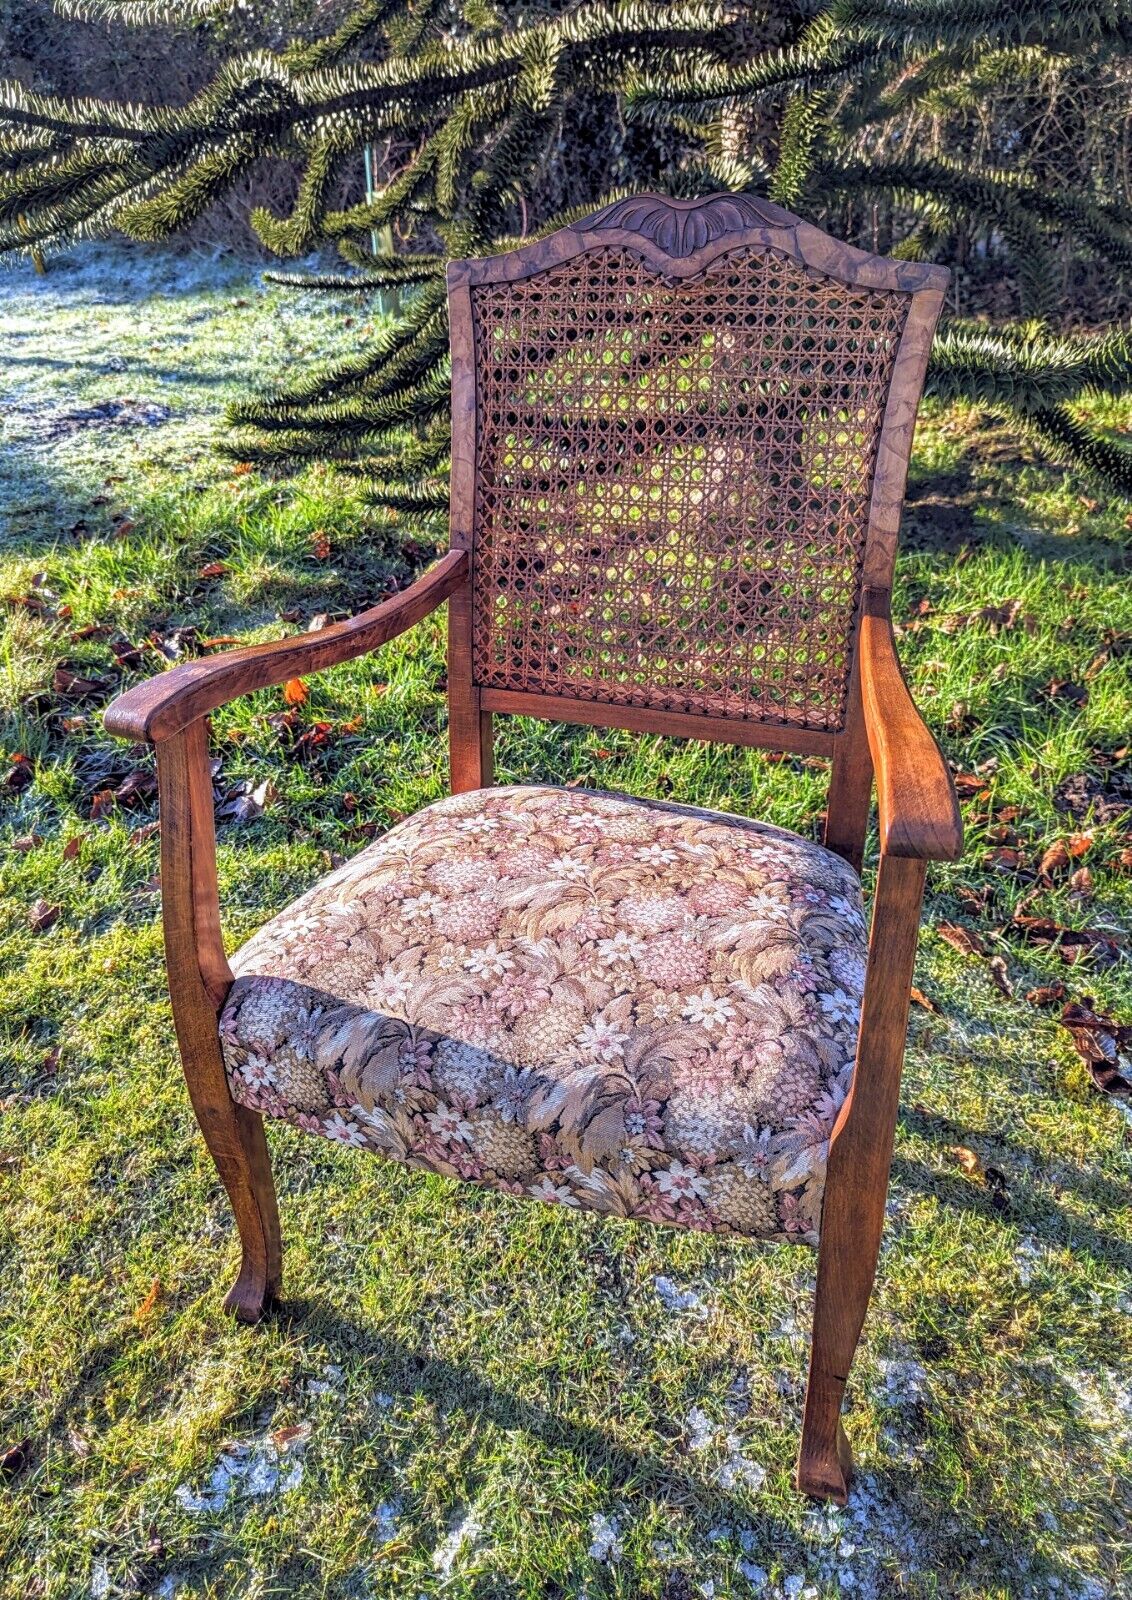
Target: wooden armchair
{"points": [[681, 432]]}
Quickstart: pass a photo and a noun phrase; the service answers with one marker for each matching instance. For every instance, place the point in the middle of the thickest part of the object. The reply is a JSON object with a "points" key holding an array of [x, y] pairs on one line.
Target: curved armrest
{"points": [[169, 701], [919, 813]]}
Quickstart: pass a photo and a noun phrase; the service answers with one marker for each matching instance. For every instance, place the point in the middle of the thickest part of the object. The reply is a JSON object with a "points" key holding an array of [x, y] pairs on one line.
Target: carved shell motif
{"points": [[681, 227]]}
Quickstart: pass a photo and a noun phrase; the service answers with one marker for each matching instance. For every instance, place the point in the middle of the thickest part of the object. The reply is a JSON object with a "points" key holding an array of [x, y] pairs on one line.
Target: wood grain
{"points": [[917, 805], [860, 1154], [171, 701], [199, 979]]}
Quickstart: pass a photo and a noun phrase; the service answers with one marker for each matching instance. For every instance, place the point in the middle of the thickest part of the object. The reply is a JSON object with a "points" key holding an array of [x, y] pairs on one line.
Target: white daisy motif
{"points": [[340, 1128], [621, 947], [449, 1125], [420, 906], [512, 1097], [839, 1007], [258, 1071], [709, 1010], [657, 855], [388, 990], [490, 962], [568, 868], [602, 1040], [556, 1193], [845, 908], [762, 905], [680, 1181]]}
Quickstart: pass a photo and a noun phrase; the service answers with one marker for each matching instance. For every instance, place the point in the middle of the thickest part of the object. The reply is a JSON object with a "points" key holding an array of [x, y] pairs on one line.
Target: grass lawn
{"points": [[463, 1396]]}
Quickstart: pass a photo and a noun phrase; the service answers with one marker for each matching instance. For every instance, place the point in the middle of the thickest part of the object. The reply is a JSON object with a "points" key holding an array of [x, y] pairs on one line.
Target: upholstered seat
{"points": [[608, 1003]]}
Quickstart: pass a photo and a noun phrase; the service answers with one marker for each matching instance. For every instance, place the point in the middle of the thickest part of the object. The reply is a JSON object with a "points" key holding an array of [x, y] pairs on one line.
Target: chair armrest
{"points": [[170, 701], [918, 810]]}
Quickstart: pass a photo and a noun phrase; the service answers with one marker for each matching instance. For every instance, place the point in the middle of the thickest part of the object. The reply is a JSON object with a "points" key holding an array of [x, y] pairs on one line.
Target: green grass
{"points": [[462, 1363]]}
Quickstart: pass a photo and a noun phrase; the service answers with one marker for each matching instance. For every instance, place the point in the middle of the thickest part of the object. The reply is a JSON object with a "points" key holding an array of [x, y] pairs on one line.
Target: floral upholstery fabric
{"points": [[635, 1008]]}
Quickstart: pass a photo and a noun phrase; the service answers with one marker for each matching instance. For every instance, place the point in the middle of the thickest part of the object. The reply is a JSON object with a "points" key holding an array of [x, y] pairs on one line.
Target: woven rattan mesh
{"points": [[672, 482]]}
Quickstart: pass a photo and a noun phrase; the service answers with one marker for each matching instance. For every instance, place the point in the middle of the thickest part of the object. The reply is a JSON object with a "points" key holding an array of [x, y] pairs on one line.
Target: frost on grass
{"points": [[247, 1469], [736, 1470], [605, 1538], [465, 1531], [673, 1298]]}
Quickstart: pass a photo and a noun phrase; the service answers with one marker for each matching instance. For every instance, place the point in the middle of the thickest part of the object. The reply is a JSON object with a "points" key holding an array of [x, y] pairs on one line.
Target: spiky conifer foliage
{"points": [[512, 117]]}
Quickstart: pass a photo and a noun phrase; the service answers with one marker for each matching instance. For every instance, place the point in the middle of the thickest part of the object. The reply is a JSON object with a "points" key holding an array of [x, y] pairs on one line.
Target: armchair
{"points": [[681, 432]]}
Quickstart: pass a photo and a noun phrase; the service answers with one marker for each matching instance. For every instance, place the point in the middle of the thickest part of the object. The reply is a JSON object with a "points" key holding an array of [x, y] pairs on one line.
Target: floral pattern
{"points": [[604, 1003]]}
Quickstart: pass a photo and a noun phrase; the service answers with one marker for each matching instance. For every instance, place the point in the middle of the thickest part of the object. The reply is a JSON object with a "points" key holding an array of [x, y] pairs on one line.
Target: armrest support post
{"points": [[918, 810]]}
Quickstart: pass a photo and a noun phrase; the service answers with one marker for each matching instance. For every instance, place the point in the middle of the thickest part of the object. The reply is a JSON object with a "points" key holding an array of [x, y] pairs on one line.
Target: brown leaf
{"points": [[101, 803], [320, 544], [1081, 883], [921, 999], [49, 1063], [295, 692], [213, 569], [26, 842], [1062, 689], [961, 939], [967, 1159], [1048, 994], [968, 784], [222, 641], [20, 773], [15, 1458], [138, 784], [1000, 977], [1004, 858], [1055, 859], [147, 1305], [146, 831], [295, 1434], [73, 845], [70, 685], [43, 916]]}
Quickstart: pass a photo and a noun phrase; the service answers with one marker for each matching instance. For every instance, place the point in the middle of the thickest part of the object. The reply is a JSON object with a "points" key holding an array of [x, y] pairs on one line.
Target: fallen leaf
{"points": [[1063, 689], [26, 842], [245, 803], [967, 1159], [69, 685], [222, 641], [961, 939], [214, 569], [138, 784], [43, 916], [147, 1305], [292, 1437], [1000, 977], [20, 773], [104, 801], [921, 999], [15, 1458], [320, 544], [49, 1063], [1081, 883], [146, 831], [73, 845], [1048, 994], [295, 692]]}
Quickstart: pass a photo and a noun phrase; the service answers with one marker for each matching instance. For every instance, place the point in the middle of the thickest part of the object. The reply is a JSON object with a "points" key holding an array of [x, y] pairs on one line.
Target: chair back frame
{"points": [[679, 240]]}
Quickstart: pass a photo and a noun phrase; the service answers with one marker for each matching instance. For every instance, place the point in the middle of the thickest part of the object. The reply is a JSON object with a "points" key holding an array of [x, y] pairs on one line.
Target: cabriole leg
{"points": [[860, 1155]]}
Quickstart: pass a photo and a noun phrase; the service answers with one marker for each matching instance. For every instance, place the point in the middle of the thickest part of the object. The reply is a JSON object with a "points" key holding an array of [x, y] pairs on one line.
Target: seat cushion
{"points": [[620, 1005]]}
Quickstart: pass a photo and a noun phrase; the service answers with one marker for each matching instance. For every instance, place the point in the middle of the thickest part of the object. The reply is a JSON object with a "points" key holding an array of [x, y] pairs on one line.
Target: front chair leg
{"points": [[860, 1155], [199, 980]]}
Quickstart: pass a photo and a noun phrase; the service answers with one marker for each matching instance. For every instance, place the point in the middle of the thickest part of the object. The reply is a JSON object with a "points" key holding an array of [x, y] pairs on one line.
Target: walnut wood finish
{"points": [[869, 722], [199, 979], [173, 700]]}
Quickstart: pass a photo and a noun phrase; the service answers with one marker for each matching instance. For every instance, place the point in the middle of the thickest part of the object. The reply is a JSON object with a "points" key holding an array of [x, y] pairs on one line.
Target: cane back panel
{"points": [[672, 481]]}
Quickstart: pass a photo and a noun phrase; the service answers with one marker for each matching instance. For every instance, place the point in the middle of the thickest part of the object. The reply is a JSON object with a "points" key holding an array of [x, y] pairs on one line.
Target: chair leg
{"points": [[860, 1154], [238, 1146], [199, 979], [825, 1460]]}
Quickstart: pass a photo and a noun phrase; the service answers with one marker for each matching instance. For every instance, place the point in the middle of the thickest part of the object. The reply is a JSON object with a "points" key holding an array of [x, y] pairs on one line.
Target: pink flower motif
{"points": [[680, 1182], [308, 1122], [555, 1194], [449, 1125], [793, 1219], [518, 992]]}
